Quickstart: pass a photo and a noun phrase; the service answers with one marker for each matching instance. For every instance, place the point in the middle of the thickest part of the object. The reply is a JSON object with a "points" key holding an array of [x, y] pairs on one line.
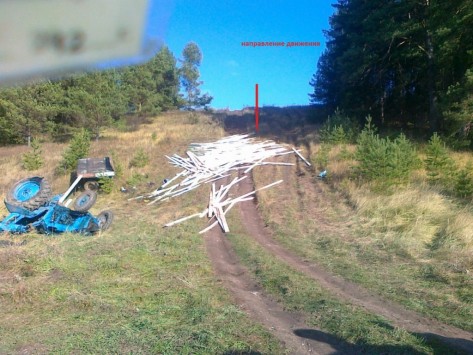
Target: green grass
{"points": [[412, 246], [137, 288], [370, 334], [150, 291], [386, 266]]}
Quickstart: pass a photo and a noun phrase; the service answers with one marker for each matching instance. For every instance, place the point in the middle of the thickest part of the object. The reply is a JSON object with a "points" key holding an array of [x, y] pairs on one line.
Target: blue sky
{"points": [[230, 70]]}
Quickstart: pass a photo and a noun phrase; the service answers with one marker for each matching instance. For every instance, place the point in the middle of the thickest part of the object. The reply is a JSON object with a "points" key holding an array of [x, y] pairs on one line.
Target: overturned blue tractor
{"points": [[32, 207]]}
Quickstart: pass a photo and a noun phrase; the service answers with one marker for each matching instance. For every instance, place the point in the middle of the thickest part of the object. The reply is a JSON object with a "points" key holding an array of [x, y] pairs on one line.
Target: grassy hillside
{"points": [[412, 244], [137, 288]]}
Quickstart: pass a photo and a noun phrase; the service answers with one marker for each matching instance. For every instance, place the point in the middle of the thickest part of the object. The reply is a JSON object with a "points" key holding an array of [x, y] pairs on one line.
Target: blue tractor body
{"points": [[49, 219]]}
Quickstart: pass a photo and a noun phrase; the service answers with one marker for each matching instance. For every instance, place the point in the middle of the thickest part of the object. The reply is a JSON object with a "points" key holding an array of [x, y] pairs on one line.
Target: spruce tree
{"points": [[437, 162], [33, 159], [386, 161], [464, 182], [78, 148]]}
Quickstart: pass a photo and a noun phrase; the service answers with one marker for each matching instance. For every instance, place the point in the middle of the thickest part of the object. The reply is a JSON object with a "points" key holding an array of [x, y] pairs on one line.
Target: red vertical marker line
{"points": [[256, 109]]}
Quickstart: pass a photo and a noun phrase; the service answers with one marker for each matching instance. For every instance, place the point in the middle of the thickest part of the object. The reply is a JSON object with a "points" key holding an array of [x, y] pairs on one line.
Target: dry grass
{"points": [[137, 288], [157, 139], [414, 245], [417, 216]]}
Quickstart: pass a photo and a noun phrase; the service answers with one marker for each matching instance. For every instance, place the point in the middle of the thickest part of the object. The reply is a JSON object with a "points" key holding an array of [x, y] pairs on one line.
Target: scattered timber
{"points": [[219, 205], [206, 163]]}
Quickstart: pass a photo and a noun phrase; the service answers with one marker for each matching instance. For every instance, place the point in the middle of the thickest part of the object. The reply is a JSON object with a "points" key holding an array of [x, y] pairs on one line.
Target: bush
{"points": [[464, 182], [345, 154], [78, 148], [339, 129], [140, 160], [321, 157], [117, 165], [136, 179], [437, 162], [384, 160], [121, 125], [106, 185], [33, 160]]}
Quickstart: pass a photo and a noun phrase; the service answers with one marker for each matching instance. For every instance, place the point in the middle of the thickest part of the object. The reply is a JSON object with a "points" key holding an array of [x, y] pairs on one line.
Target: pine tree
{"points": [[33, 159], [396, 60], [140, 90], [166, 77], [383, 160], [189, 72], [464, 182], [437, 162], [78, 148]]}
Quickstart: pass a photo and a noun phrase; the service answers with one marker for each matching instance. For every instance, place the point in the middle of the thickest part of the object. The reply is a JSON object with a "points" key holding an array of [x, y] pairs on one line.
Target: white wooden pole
{"points": [[69, 190], [300, 156]]}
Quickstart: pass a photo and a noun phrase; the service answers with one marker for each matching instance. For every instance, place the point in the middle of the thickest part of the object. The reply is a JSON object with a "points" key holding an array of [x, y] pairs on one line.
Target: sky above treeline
{"points": [[231, 67]]}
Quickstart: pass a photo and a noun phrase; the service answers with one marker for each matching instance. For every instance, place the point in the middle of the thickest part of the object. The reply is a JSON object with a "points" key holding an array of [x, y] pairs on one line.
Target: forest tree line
{"points": [[94, 100], [406, 63]]}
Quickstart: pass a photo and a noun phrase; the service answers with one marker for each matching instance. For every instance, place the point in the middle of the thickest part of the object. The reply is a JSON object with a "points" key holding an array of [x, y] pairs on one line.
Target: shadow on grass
{"points": [[237, 352], [440, 345], [465, 346], [4, 243]]}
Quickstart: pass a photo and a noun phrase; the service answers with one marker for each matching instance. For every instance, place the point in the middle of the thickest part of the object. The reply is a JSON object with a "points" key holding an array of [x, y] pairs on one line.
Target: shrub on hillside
{"points": [[382, 159], [339, 129], [107, 185], [136, 179], [78, 148], [320, 159], [438, 163], [464, 182], [117, 164], [140, 159], [33, 159]]}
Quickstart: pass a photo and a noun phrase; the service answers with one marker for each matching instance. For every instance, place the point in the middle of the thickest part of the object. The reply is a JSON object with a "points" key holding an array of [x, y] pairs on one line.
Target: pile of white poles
{"points": [[209, 162], [219, 206]]}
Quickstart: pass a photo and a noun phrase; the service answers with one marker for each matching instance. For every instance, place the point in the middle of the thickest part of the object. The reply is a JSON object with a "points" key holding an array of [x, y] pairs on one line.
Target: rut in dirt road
{"points": [[288, 327], [349, 291]]}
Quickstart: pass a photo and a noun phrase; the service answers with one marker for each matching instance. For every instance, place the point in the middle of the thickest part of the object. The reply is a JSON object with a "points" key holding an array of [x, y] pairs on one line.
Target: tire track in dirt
{"points": [[249, 297], [288, 327], [347, 290]]}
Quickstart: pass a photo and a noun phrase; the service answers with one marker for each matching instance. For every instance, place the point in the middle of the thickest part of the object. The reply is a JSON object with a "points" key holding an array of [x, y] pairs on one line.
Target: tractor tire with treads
{"points": [[30, 193], [85, 201], [106, 219], [91, 185]]}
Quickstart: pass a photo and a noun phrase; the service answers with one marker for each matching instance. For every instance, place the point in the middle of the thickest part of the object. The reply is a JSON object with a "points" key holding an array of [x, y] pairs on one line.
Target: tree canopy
{"points": [[94, 100], [401, 61], [191, 59]]}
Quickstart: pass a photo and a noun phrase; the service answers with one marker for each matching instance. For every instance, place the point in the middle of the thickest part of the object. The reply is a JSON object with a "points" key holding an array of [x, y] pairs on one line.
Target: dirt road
{"points": [[290, 327], [349, 291]]}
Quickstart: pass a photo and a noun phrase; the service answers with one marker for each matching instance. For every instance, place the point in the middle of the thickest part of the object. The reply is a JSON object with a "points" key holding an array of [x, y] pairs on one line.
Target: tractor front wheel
{"points": [[105, 219], [85, 201], [30, 193]]}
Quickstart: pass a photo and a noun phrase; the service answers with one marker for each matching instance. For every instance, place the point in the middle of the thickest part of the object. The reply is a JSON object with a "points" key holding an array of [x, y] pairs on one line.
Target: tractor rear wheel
{"points": [[105, 219], [30, 193], [85, 201], [91, 185]]}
